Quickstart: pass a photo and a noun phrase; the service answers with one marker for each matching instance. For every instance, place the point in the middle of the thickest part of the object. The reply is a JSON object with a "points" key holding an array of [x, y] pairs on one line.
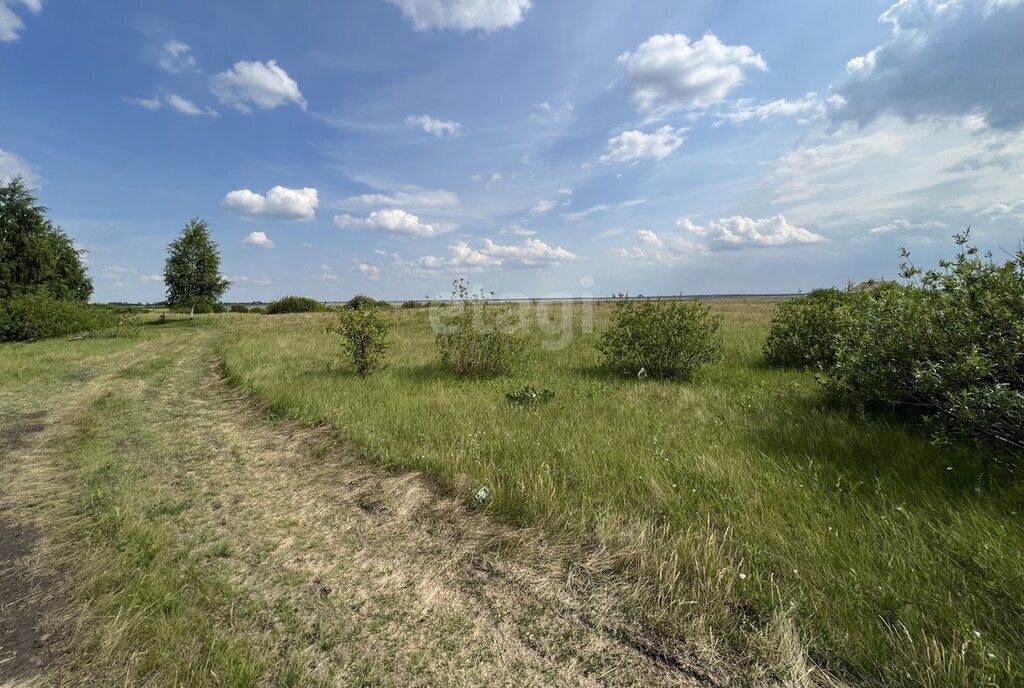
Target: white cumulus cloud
{"points": [[636, 145], [463, 15], [258, 240], [672, 248], [367, 270], [11, 23], [739, 231], [261, 84], [176, 57], [393, 220], [436, 127], [689, 240], [279, 203], [462, 257], [670, 72]]}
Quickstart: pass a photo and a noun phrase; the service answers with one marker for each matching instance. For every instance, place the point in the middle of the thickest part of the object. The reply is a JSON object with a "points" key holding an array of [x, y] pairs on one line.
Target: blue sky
{"points": [[536, 147]]}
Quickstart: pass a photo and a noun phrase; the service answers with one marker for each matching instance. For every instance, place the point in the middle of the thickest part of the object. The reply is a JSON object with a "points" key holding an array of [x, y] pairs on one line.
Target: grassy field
{"points": [[748, 516], [734, 530], [158, 529]]}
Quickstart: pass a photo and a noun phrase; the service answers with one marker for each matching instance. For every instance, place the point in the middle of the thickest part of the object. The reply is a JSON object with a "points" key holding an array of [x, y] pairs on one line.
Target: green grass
{"points": [[745, 510], [143, 608]]}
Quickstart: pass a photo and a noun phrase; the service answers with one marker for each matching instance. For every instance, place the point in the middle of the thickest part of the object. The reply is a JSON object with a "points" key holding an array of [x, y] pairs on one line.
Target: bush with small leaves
{"points": [[477, 337], [295, 304], [804, 331], [364, 334], [666, 339], [948, 347], [35, 316], [410, 305], [238, 308], [362, 302]]}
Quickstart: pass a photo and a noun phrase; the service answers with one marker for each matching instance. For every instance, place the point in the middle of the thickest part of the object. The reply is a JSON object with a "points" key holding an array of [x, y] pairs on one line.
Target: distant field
{"points": [[750, 517]]}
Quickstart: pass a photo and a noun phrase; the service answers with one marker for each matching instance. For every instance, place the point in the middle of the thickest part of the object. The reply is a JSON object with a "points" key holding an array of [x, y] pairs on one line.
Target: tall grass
{"points": [[749, 514]]}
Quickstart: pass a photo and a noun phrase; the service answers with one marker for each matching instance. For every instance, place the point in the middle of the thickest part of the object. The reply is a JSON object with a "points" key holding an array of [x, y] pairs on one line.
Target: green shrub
{"points": [[364, 333], [34, 316], [948, 346], [238, 308], [295, 304], [258, 310], [878, 348], [478, 338], [804, 331], [410, 305], [362, 301], [662, 339]]}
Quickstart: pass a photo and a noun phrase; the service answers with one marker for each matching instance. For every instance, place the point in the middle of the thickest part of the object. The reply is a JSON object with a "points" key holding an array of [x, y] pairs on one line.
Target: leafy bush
{"points": [[666, 339], [238, 308], [295, 304], [804, 331], [948, 346], [258, 310], [34, 316], [364, 333], [409, 305], [362, 301], [885, 336], [528, 395], [477, 337]]}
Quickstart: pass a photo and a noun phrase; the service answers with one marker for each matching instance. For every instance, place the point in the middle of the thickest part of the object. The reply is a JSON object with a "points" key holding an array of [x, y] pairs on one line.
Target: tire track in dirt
{"points": [[32, 596]]}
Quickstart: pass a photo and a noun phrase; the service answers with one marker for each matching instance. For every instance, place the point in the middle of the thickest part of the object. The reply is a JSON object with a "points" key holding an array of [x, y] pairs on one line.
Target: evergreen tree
{"points": [[36, 257], [192, 271]]}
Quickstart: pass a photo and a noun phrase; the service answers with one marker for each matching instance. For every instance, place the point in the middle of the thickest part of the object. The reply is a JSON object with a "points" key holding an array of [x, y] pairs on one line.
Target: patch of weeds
{"points": [[528, 395]]}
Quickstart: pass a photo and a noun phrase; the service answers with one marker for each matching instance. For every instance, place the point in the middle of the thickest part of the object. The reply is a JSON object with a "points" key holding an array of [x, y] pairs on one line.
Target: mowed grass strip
{"points": [[750, 516]]}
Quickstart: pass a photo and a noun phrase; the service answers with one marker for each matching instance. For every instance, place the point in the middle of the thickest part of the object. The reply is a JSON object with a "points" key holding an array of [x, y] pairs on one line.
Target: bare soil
{"points": [[25, 597]]}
